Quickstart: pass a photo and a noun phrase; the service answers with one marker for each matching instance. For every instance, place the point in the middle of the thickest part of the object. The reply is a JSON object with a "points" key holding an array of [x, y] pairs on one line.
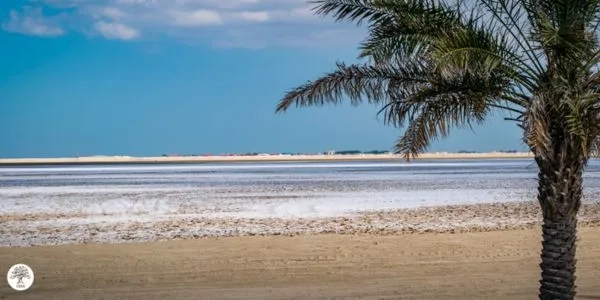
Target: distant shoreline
{"points": [[102, 160]]}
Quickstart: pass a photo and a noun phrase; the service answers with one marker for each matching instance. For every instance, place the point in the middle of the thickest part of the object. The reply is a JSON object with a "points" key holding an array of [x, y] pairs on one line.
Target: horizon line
{"points": [[258, 158]]}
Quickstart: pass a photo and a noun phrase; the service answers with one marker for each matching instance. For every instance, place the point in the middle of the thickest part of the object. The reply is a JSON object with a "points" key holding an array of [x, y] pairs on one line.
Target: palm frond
{"points": [[356, 83], [388, 41], [509, 19], [357, 11], [536, 127], [564, 30], [446, 102], [410, 27], [434, 113]]}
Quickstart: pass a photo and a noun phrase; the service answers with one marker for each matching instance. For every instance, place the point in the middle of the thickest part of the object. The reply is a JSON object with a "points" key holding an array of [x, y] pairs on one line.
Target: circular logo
{"points": [[20, 277]]}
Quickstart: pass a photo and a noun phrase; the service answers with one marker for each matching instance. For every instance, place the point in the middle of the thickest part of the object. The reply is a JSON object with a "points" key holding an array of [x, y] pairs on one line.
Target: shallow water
{"points": [[288, 189]]}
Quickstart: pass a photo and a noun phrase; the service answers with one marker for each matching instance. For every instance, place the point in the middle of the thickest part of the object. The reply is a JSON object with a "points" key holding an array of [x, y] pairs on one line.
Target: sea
{"points": [[269, 189]]}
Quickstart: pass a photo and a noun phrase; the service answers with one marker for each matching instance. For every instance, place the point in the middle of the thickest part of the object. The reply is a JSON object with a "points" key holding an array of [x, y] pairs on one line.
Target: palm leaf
{"points": [[376, 84], [356, 11]]}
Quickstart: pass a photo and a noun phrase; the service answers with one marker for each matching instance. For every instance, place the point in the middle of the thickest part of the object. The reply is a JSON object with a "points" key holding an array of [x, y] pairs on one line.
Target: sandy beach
{"points": [[486, 251], [252, 158], [464, 230], [482, 265]]}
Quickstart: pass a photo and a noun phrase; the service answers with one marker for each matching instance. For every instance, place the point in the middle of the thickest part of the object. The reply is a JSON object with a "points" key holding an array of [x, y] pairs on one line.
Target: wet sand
{"points": [[475, 265]]}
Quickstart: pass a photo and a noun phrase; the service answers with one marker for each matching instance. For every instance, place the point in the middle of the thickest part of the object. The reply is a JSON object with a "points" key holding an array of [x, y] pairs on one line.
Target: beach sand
{"points": [[476, 265], [486, 251]]}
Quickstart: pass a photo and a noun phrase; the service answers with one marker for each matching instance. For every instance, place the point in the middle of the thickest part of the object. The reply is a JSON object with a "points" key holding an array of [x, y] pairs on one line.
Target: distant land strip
{"points": [[92, 160]]}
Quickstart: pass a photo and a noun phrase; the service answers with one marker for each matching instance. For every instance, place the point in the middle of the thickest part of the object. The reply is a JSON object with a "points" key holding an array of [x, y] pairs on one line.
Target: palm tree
{"points": [[435, 65]]}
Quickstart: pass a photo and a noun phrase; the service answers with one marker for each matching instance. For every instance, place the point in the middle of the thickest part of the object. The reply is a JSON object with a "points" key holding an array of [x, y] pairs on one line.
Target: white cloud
{"points": [[302, 13], [112, 12], [256, 23], [133, 2], [32, 22], [253, 16], [116, 31], [199, 17]]}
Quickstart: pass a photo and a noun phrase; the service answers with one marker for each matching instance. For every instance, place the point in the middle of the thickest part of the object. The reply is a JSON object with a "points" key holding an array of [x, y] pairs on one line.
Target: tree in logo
{"points": [[20, 273]]}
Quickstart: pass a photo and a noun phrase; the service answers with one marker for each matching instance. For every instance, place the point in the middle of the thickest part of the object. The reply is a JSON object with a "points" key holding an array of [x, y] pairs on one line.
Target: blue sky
{"points": [[147, 77]]}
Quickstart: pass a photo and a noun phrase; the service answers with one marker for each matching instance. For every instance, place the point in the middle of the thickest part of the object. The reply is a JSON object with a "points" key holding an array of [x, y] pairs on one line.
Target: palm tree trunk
{"points": [[558, 259], [559, 194]]}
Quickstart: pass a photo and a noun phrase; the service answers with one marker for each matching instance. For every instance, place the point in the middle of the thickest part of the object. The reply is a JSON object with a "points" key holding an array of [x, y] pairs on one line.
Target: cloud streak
{"points": [[222, 23], [31, 21], [195, 18], [116, 31]]}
